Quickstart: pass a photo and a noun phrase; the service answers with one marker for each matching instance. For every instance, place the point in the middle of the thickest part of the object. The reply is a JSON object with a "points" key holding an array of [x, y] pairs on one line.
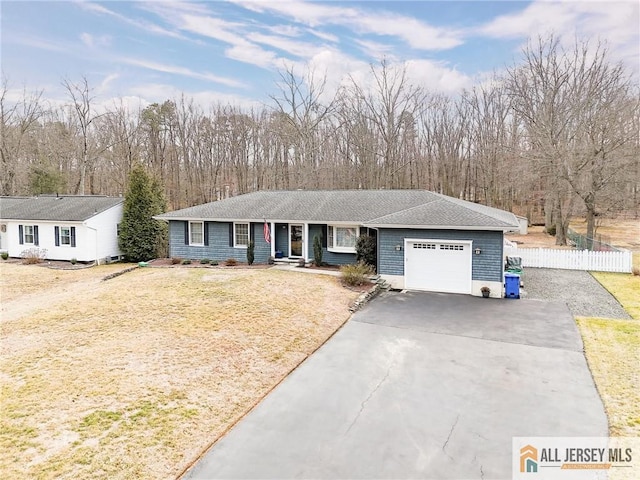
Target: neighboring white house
{"points": [[67, 227]]}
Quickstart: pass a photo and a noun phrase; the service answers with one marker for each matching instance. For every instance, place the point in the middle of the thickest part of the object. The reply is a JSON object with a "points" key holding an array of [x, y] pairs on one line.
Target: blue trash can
{"points": [[511, 285]]}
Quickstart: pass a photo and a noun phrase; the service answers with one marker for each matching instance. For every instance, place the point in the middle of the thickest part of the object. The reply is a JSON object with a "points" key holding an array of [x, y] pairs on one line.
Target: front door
{"points": [[296, 232]]}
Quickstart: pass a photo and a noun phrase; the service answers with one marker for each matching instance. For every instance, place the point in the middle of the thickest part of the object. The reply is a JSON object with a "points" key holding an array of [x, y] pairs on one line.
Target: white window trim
{"points": [[65, 245], [333, 248], [237, 245], [201, 244], [24, 234]]}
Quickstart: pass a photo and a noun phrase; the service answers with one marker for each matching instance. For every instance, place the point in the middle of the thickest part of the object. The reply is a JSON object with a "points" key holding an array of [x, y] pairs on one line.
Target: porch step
{"points": [[285, 261]]}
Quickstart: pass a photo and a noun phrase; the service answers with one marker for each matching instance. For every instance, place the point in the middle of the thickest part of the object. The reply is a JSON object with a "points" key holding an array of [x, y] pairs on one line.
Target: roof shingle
{"points": [[55, 208], [419, 208]]}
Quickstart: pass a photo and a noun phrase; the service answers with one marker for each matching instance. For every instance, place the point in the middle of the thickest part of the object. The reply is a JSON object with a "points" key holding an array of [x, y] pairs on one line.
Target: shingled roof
{"points": [[66, 208], [373, 208]]}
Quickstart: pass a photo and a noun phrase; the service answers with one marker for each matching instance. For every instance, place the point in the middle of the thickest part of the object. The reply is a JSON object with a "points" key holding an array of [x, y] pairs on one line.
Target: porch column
{"points": [[272, 227], [305, 239]]}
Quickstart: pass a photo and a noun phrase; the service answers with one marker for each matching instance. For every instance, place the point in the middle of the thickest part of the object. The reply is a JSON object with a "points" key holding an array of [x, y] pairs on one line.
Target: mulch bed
{"points": [[167, 263]]}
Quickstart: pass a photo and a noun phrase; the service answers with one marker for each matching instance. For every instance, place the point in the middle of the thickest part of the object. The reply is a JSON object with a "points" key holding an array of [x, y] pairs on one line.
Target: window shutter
{"points": [[20, 235], [36, 241], [324, 236], [231, 234], [252, 233], [56, 232], [206, 233], [73, 236], [186, 233]]}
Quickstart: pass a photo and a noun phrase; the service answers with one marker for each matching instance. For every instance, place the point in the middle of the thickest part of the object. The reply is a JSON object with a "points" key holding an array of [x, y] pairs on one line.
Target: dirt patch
{"points": [[133, 377], [535, 238]]}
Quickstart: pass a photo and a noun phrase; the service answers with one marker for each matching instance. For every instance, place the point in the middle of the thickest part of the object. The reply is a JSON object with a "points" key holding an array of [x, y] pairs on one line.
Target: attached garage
{"points": [[438, 266]]}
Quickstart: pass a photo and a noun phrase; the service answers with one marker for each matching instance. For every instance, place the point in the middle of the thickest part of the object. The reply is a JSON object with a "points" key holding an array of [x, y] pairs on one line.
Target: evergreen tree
{"points": [[140, 235]]}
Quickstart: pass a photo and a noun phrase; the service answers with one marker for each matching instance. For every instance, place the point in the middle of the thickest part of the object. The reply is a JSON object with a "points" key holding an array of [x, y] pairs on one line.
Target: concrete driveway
{"points": [[420, 385]]}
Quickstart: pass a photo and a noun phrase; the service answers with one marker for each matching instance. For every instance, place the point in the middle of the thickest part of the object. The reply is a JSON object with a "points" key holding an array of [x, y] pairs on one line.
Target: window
{"points": [[65, 236], [427, 246], [28, 235], [240, 234], [342, 238], [196, 233], [451, 247]]}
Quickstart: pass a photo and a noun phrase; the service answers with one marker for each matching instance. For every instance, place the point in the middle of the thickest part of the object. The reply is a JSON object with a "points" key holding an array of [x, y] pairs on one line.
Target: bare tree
{"points": [[17, 120]]}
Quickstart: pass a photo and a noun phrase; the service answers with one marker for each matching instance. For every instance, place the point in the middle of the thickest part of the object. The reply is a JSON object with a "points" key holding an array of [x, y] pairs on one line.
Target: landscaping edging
{"points": [[120, 272], [365, 297]]}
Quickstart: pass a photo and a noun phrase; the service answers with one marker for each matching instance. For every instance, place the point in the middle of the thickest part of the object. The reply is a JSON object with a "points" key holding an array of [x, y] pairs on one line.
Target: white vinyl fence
{"points": [[573, 259]]}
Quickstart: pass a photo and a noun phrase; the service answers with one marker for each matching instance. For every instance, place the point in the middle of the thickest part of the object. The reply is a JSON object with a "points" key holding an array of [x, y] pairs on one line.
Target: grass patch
{"points": [[132, 379], [612, 348], [625, 287]]}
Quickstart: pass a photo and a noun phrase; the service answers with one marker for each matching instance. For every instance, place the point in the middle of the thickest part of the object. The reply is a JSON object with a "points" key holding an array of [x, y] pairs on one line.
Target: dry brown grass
{"points": [[136, 379], [622, 233], [18, 280], [612, 348]]}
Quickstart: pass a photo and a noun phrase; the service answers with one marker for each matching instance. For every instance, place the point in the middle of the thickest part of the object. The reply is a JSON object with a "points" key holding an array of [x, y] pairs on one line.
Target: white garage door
{"points": [[438, 266]]}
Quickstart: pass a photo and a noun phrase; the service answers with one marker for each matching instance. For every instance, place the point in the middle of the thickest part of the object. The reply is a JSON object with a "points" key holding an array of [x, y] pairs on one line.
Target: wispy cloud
{"points": [[293, 47], [176, 70], [35, 42], [412, 31], [140, 24], [616, 22], [92, 41]]}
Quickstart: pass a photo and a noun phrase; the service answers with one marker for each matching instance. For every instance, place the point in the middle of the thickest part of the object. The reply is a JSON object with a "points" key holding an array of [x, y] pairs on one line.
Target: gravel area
{"points": [[582, 293]]}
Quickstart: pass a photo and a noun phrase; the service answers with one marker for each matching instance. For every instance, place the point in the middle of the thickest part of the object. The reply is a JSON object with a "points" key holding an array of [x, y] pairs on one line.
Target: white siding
{"points": [[104, 231]]}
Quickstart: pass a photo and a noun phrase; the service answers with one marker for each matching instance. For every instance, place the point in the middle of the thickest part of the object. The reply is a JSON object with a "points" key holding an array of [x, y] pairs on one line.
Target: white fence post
{"points": [[573, 259]]}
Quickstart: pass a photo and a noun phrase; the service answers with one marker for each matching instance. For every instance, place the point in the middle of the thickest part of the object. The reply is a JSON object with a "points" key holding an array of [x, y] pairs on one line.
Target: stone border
{"points": [[364, 298], [120, 272]]}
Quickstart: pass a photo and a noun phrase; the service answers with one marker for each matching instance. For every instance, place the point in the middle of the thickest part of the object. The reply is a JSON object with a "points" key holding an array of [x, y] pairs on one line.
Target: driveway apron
{"points": [[419, 385]]}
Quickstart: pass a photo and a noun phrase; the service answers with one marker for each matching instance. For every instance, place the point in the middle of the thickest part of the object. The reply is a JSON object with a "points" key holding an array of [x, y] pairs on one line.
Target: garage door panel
{"points": [[438, 266]]}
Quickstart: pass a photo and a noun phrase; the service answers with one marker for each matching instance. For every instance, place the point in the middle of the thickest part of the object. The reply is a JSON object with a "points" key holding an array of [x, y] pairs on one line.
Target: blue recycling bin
{"points": [[511, 285]]}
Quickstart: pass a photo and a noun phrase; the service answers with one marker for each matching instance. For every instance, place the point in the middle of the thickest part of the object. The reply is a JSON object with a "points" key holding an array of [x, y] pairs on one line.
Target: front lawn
{"points": [[612, 348], [136, 379]]}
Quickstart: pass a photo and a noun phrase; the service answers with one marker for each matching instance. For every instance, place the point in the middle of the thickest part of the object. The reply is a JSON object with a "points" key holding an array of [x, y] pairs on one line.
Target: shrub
{"points": [[634, 270], [33, 255], [176, 261], [4, 255], [73, 261], [356, 274], [186, 261], [317, 250], [205, 261], [251, 252], [271, 260], [551, 230], [230, 262], [214, 262], [366, 250]]}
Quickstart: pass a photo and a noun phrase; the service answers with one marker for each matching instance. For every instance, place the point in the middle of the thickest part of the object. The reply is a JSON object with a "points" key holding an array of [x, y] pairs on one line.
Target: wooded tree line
{"points": [[556, 135]]}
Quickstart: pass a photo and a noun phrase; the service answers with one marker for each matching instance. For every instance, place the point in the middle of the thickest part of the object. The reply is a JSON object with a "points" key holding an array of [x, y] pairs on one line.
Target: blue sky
{"points": [[230, 52]]}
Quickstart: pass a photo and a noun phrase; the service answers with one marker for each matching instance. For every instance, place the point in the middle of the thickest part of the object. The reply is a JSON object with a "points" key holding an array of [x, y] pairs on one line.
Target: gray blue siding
{"points": [[281, 236], [331, 258], [218, 247], [486, 266]]}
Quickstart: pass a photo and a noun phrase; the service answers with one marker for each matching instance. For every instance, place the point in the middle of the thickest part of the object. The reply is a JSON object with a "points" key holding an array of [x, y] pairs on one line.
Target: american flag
{"points": [[267, 233]]}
